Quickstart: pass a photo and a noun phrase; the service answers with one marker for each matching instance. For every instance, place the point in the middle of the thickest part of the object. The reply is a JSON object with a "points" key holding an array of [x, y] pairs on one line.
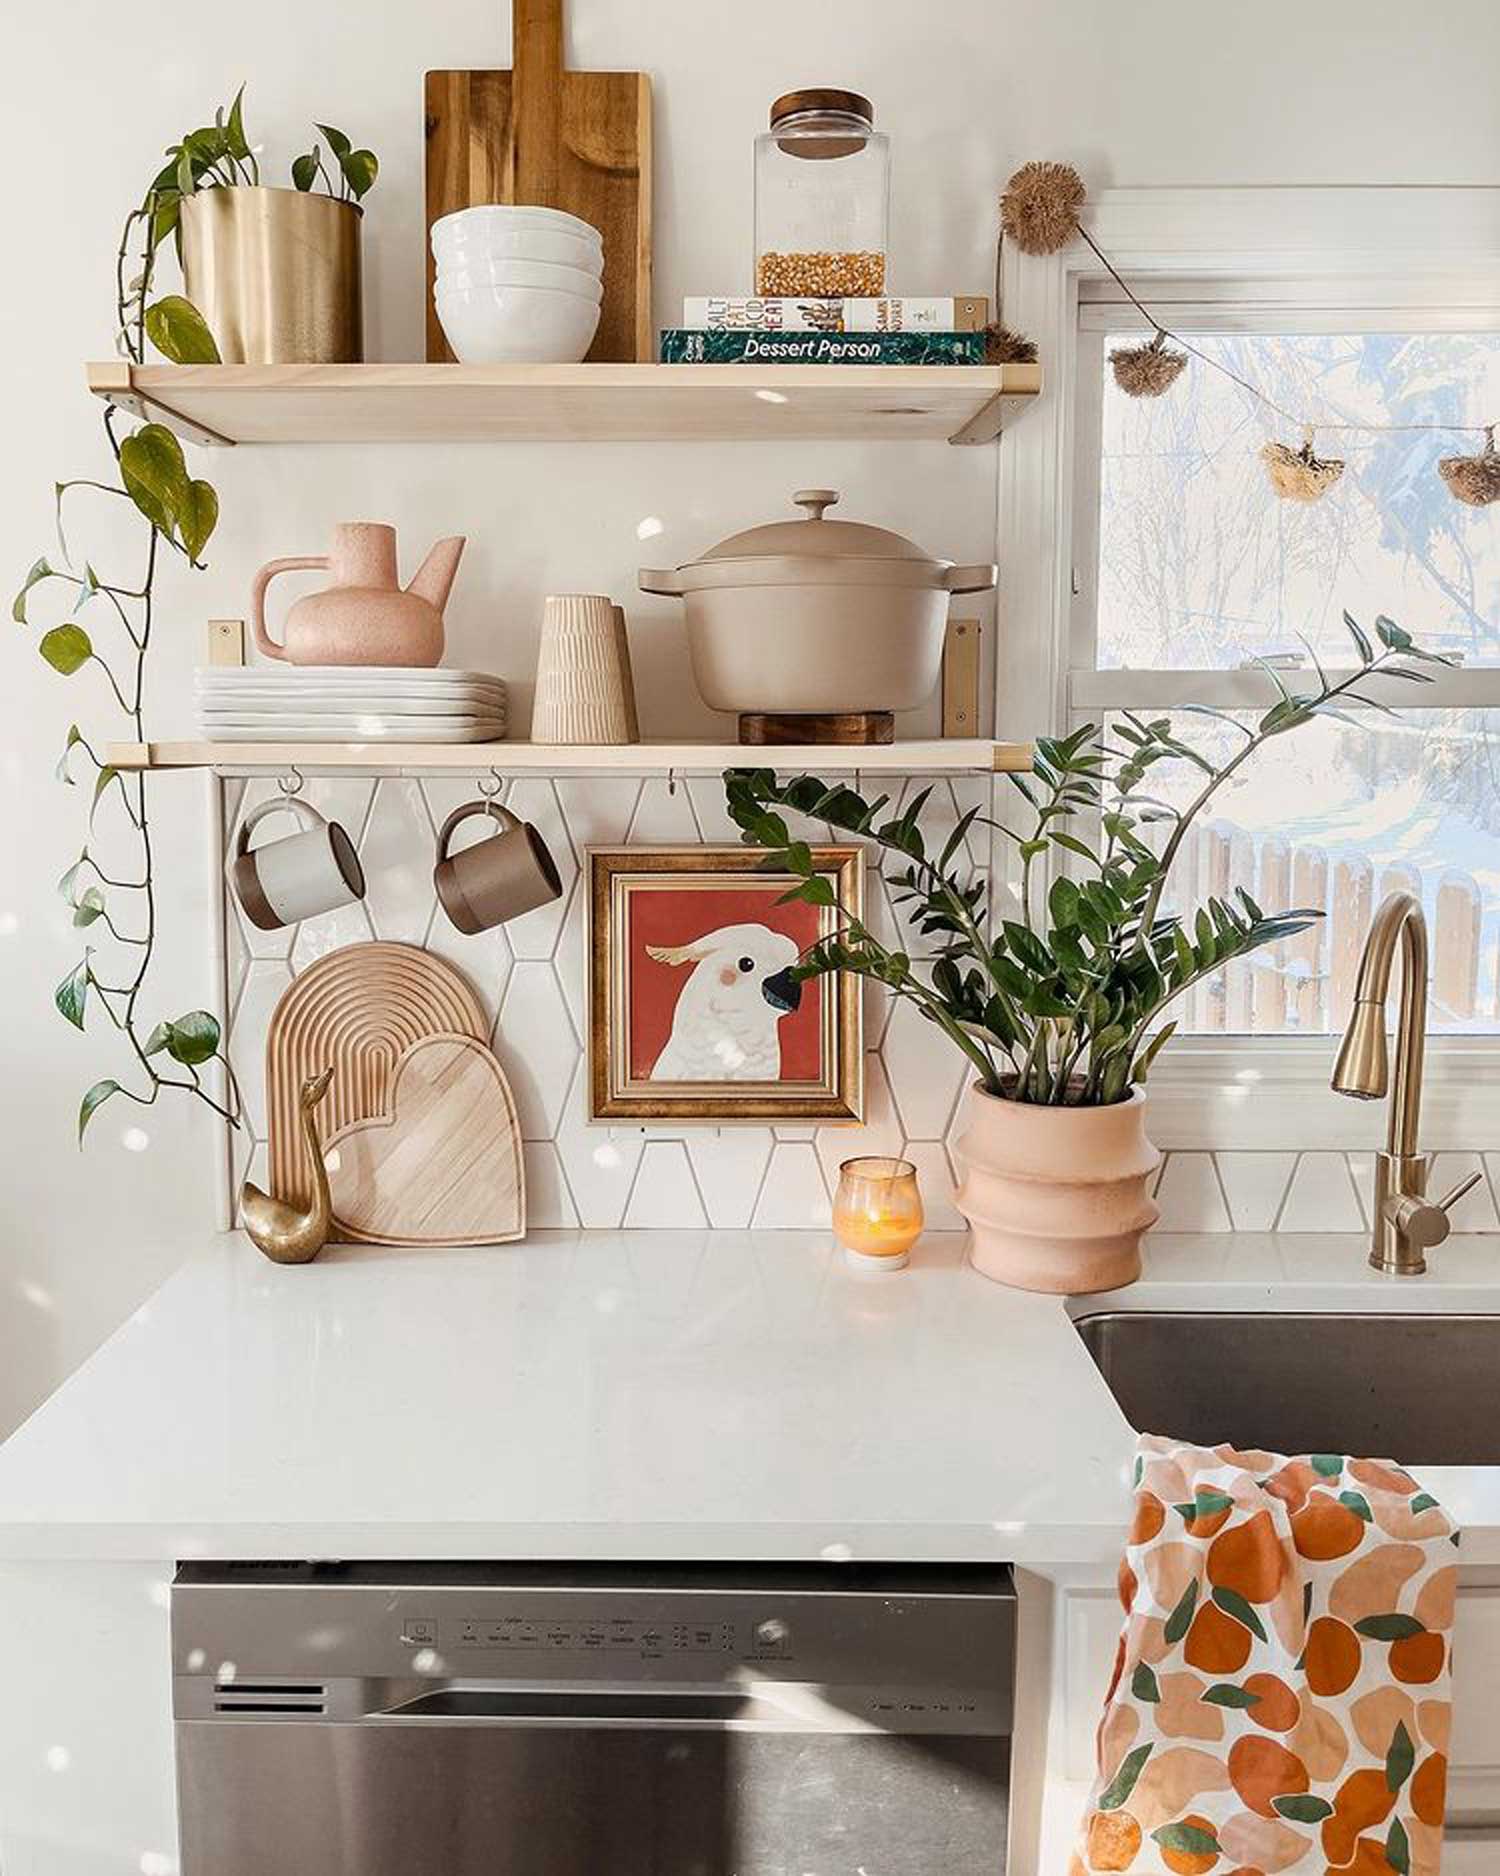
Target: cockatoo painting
{"points": [[725, 1024]]}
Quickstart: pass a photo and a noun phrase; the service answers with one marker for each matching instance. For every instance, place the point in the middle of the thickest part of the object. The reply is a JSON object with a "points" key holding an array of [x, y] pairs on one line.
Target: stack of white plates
{"points": [[349, 704], [517, 285]]}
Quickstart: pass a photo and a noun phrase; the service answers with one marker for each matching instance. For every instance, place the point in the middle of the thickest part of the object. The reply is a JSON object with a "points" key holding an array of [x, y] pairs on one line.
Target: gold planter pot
{"points": [[276, 274]]}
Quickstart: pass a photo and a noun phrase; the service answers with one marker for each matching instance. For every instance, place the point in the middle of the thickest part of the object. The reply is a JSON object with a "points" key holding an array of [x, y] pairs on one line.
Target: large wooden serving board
{"points": [[360, 1009], [542, 135]]}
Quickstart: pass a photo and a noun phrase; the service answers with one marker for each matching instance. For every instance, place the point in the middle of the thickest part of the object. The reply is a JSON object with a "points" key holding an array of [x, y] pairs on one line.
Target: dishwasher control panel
{"points": [[767, 1638]]}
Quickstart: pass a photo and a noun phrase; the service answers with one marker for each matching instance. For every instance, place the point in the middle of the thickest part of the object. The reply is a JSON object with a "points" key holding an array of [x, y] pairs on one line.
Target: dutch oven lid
{"points": [[818, 538]]}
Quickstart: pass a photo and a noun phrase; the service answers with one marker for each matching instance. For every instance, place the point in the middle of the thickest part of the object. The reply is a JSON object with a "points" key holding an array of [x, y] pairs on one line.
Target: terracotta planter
{"points": [[1057, 1197]]}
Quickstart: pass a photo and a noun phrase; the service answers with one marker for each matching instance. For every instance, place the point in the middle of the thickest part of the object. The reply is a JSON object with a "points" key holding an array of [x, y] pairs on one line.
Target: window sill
{"points": [[1262, 1093]]}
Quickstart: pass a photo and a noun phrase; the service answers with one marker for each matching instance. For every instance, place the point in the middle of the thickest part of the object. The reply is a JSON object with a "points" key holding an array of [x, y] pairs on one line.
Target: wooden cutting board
{"points": [[359, 1009], [442, 1163], [544, 136]]}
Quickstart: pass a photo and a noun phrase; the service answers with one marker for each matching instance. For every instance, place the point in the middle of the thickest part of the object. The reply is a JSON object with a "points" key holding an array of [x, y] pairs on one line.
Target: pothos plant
{"points": [[215, 156], [111, 887], [1062, 1003]]}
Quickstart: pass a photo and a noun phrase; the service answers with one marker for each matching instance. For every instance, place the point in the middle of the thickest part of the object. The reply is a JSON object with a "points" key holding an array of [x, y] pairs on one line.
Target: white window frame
{"points": [[1412, 248]]}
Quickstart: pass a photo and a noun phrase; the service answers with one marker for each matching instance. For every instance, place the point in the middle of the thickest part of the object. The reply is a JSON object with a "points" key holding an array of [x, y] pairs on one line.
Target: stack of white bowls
{"points": [[517, 285]]}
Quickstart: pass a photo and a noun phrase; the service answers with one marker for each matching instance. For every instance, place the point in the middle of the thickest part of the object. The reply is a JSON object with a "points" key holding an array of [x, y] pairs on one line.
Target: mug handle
{"points": [[304, 810], [504, 816], [263, 579]]}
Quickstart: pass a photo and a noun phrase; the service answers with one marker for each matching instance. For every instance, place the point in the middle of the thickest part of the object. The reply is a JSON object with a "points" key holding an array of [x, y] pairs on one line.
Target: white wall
{"points": [[90, 91]]}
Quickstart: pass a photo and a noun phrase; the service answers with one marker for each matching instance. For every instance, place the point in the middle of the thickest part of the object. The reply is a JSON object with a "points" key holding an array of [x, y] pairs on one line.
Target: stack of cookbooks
{"points": [[810, 331]]}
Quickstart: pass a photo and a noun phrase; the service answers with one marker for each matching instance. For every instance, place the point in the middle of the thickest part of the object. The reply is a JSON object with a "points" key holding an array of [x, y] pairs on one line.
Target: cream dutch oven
{"points": [[816, 616]]}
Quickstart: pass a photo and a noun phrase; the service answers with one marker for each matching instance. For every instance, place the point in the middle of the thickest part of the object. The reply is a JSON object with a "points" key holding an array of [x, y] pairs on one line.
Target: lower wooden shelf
{"points": [[939, 757]]}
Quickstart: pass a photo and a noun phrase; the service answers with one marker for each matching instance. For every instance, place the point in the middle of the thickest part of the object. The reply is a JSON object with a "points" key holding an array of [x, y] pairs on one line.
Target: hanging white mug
{"points": [[299, 875]]}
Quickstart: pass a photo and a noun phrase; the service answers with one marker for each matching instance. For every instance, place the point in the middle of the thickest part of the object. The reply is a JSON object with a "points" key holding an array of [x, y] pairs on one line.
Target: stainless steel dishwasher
{"points": [[526, 1720]]}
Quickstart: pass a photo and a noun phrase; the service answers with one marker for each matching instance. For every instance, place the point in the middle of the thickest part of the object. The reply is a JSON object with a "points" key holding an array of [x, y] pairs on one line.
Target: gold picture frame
{"points": [[679, 985]]}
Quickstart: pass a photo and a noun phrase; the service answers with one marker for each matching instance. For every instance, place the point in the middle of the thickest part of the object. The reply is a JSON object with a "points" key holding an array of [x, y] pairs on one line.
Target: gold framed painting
{"points": [[694, 1013]]}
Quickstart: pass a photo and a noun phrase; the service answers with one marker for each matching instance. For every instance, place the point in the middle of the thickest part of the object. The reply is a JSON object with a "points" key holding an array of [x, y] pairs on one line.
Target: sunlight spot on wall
{"points": [[649, 527], [772, 397], [36, 1295], [836, 1553], [9, 924], [135, 1139], [58, 1758], [159, 1594], [607, 1156], [157, 1863]]}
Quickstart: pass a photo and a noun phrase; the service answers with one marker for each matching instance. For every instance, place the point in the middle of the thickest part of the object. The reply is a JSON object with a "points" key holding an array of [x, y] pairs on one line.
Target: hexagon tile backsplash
{"points": [[531, 974], [531, 977]]}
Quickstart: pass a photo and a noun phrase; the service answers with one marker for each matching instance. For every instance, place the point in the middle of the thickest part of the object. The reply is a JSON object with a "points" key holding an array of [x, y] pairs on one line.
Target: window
{"points": [[1187, 569]]}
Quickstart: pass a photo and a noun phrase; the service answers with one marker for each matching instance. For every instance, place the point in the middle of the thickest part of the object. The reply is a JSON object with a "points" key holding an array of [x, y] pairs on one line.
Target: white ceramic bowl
{"points": [[505, 273], [516, 325], [496, 217], [524, 243]]}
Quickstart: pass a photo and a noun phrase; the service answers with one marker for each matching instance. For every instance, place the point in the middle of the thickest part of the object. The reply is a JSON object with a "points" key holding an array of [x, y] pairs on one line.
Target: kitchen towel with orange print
{"points": [[1281, 1694]]}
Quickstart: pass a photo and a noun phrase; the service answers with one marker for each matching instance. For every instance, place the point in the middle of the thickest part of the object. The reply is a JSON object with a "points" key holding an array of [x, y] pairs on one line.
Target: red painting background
{"points": [[678, 916]]}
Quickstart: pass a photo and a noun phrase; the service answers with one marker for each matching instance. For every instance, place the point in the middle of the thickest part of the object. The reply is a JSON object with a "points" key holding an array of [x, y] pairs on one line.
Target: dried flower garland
{"points": [[1147, 370], [1474, 479], [1004, 347], [1300, 475], [1039, 209]]}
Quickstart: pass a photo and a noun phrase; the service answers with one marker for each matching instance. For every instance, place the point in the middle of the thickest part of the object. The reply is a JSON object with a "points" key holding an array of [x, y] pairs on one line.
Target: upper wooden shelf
{"points": [[571, 403], [946, 757]]}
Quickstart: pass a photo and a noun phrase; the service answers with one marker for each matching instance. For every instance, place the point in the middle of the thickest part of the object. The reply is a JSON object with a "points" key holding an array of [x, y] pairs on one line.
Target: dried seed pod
{"points": [[1474, 479], [1147, 370], [1039, 209], [1299, 475], [1004, 347]]}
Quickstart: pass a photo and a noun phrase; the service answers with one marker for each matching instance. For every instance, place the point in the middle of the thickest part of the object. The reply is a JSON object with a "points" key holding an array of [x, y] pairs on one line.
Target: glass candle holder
{"points": [[877, 1212]]}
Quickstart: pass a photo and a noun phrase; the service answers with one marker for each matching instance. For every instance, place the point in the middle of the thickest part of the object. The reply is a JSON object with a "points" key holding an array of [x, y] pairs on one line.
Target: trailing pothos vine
{"points": [[113, 896], [176, 513]]}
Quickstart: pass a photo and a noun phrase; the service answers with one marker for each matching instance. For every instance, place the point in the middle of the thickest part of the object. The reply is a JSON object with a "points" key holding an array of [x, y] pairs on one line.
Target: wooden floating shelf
{"points": [[967, 404], [946, 757]]}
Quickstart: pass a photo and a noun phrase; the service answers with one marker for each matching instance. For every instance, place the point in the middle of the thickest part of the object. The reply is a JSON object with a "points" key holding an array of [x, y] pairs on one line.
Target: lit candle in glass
{"points": [[877, 1212]]}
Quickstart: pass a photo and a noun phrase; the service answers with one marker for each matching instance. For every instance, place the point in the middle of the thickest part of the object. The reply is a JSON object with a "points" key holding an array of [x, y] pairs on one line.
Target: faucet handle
{"points": [[1464, 1185], [1424, 1222]]}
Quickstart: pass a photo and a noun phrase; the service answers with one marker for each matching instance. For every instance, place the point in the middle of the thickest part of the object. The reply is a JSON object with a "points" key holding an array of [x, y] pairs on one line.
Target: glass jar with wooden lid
{"points": [[822, 198]]}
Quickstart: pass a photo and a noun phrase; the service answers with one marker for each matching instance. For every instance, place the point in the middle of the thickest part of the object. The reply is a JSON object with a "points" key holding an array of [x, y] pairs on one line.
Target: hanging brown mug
{"points": [[495, 879]]}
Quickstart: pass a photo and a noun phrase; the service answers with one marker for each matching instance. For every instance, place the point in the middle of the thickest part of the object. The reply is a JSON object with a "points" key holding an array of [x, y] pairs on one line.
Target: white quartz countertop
{"points": [[646, 1395]]}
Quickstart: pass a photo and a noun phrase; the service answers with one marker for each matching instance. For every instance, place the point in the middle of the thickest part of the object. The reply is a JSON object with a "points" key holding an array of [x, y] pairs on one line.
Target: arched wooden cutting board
{"points": [[362, 1009]]}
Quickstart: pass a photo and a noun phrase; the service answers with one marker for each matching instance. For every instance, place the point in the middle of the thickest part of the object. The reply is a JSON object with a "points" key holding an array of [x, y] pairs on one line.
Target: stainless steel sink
{"points": [[1421, 1389]]}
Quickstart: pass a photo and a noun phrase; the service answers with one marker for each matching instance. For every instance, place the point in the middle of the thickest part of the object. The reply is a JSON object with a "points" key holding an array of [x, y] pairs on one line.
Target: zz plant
{"points": [[1061, 1004]]}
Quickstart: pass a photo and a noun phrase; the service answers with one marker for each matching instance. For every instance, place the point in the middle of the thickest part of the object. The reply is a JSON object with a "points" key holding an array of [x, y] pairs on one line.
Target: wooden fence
{"points": [[1307, 983]]}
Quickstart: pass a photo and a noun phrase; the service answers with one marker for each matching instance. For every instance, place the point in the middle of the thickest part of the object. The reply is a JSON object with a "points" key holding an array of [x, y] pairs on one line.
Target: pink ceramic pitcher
{"points": [[364, 616]]}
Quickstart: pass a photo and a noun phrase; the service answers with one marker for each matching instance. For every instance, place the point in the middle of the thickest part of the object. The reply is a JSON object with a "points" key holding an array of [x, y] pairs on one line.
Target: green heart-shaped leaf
{"points": [[198, 517], [180, 332], [72, 994], [40, 570], [155, 475], [67, 648], [92, 1101], [193, 1038]]}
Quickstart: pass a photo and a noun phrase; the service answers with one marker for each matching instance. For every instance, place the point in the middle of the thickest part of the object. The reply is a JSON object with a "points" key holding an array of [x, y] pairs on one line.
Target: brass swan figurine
{"points": [[289, 1234]]}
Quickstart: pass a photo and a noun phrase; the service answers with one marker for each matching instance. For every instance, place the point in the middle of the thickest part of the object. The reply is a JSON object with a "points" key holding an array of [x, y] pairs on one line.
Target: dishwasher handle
{"points": [[635, 1707]]}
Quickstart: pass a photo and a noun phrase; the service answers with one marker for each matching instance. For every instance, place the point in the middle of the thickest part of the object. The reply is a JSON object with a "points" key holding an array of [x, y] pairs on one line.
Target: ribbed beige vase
{"points": [[1057, 1198], [581, 688]]}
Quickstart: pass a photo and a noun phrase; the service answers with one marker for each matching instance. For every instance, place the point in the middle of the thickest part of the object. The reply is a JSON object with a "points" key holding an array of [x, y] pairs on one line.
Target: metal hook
{"points": [[291, 783], [495, 785]]}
